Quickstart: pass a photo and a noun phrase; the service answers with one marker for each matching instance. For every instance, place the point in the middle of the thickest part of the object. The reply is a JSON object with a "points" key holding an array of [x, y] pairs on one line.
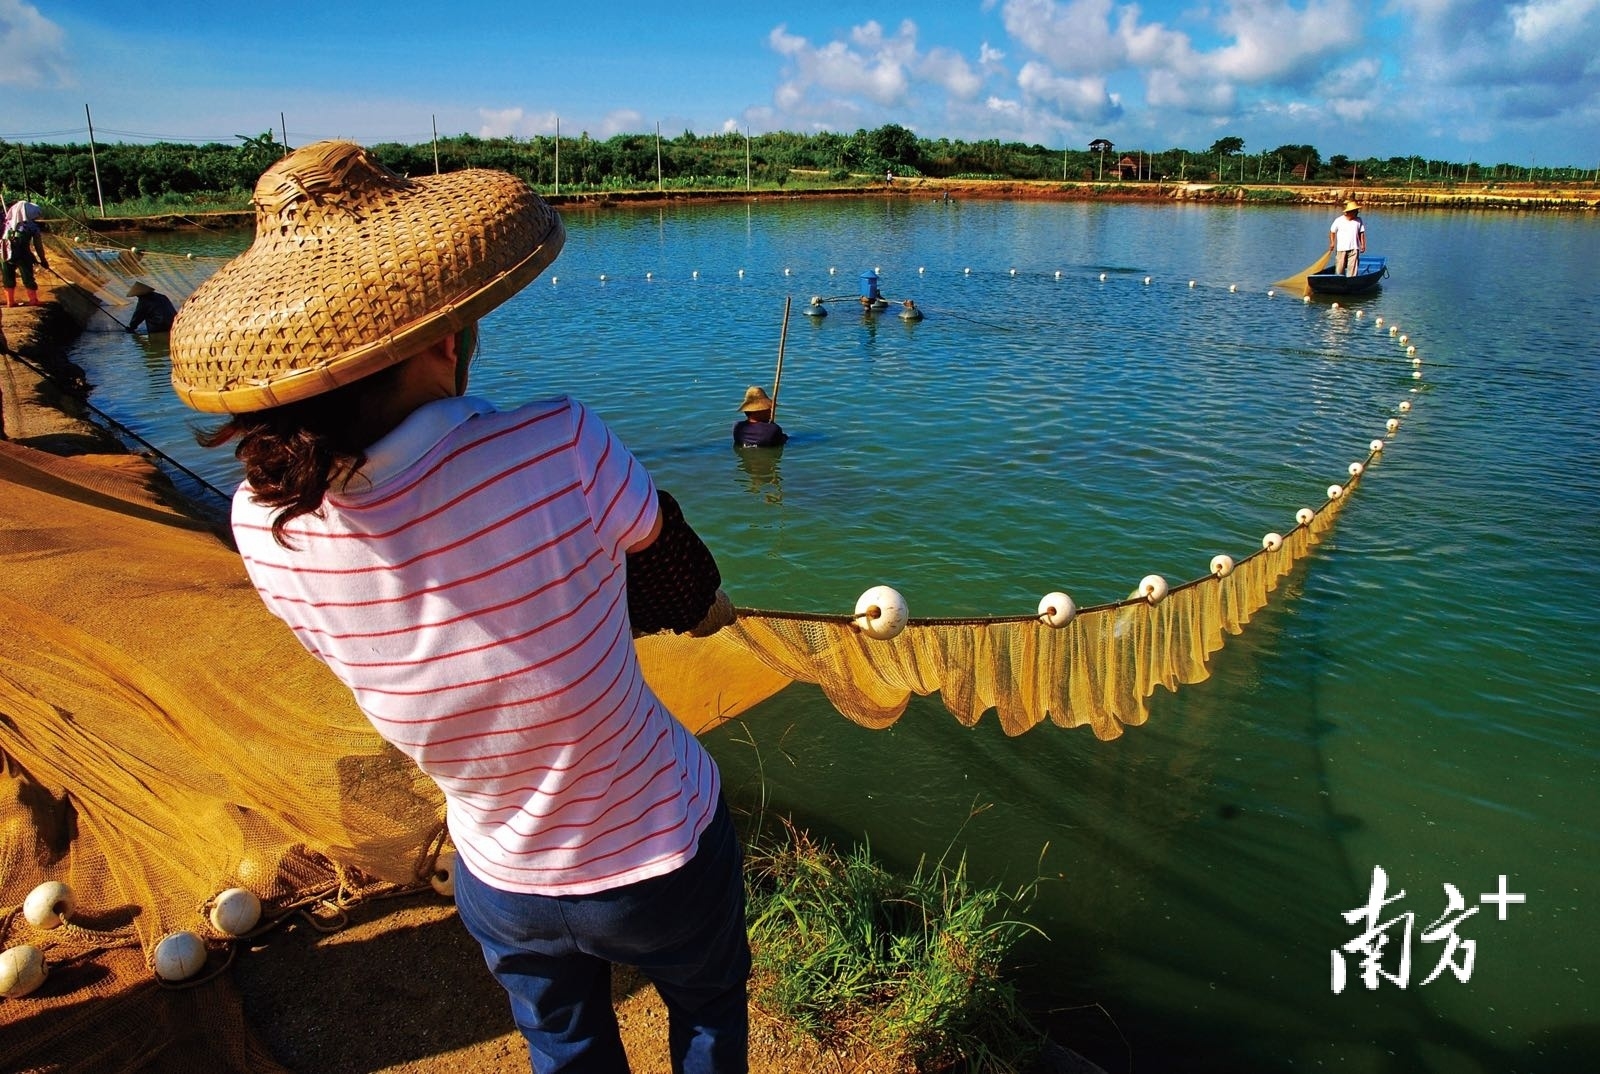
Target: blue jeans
{"points": [[685, 931]]}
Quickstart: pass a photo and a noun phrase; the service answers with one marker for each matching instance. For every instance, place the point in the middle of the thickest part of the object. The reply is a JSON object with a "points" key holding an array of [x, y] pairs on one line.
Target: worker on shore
{"points": [[757, 429], [21, 247], [475, 576]]}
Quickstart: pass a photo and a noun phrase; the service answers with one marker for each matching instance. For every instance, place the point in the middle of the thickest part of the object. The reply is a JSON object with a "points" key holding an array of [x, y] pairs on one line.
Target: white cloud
{"points": [[1080, 99], [515, 123], [33, 47], [620, 121], [949, 69], [1537, 23]]}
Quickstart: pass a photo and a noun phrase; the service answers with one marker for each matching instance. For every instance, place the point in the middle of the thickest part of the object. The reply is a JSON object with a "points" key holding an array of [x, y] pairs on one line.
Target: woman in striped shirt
{"points": [[475, 577]]}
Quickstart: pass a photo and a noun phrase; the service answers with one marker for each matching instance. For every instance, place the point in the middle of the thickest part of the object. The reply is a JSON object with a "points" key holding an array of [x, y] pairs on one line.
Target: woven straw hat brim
{"points": [[354, 269], [755, 398]]}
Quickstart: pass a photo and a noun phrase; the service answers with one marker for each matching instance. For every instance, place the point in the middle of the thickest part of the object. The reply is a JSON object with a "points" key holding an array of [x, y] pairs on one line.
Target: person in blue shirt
{"points": [[154, 310], [758, 429]]}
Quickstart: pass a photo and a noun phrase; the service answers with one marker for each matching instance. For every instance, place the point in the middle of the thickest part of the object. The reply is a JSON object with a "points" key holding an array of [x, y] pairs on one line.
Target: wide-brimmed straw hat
{"points": [[354, 269], [755, 398], [1350, 207], [139, 287]]}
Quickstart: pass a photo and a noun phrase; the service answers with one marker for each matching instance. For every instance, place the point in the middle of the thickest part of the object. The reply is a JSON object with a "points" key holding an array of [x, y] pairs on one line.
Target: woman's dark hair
{"points": [[293, 454]]}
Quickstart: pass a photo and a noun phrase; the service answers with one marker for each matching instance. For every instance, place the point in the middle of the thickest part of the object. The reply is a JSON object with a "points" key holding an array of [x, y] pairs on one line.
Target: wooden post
{"points": [[99, 197], [783, 336]]}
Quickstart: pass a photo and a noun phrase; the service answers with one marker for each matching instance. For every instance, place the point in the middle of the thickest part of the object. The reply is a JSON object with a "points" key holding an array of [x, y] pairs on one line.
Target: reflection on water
{"points": [[761, 468], [1419, 696]]}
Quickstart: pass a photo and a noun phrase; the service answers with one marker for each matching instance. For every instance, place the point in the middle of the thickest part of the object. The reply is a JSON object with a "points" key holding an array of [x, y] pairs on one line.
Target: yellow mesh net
{"points": [[102, 274]]}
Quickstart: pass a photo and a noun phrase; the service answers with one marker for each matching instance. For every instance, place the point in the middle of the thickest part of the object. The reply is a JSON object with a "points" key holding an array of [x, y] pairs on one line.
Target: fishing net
{"points": [[101, 275], [164, 738]]}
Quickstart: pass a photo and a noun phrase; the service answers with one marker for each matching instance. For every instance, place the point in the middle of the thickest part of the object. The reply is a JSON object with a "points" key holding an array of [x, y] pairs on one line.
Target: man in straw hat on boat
{"points": [[473, 576], [1347, 240]]}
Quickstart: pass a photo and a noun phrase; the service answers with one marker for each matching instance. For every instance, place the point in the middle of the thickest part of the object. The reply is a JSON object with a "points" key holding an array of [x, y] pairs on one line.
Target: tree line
{"points": [[76, 178]]}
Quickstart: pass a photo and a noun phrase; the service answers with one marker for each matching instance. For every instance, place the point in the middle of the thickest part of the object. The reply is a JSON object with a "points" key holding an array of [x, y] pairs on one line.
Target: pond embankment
{"points": [[1501, 196], [43, 394]]}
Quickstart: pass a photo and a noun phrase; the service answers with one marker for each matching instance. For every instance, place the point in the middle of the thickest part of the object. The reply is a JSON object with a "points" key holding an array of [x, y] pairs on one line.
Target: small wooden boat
{"points": [[1371, 270]]}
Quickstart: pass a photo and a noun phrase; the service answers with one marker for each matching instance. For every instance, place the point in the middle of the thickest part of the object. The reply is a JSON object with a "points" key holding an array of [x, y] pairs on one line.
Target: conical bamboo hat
{"points": [[353, 269]]}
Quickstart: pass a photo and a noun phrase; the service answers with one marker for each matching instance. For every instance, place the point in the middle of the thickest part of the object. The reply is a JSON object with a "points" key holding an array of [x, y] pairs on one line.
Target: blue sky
{"points": [[1462, 80]]}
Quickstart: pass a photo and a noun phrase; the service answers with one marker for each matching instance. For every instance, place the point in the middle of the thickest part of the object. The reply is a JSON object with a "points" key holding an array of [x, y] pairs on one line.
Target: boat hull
{"points": [[1327, 282]]}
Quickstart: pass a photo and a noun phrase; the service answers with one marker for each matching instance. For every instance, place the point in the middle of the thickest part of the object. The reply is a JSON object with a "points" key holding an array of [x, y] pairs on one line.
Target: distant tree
{"points": [[892, 144], [1227, 147]]}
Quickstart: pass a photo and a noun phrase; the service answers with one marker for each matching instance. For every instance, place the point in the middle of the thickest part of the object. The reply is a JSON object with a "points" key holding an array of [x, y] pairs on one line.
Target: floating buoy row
{"points": [[882, 612]]}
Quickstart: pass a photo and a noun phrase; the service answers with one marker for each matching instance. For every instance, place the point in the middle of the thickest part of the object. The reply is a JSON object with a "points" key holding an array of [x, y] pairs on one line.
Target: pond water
{"points": [[1073, 414]]}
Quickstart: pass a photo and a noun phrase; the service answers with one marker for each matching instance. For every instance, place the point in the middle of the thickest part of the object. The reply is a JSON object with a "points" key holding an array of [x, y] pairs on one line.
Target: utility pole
{"points": [[658, 154], [435, 145], [558, 156], [93, 163]]}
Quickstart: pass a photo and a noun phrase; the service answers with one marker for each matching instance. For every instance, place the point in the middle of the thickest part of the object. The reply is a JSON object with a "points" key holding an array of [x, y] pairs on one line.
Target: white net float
{"points": [[235, 912], [443, 877], [881, 613], [22, 969], [179, 956], [1332, 306], [1153, 588], [1272, 542], [1392, 424], [1335, 491], [1394, 329], [1306, 298], [1405, 405], [1057, 609], [1404, 338], [1416, 374], [1102, 277], [49, 905], [1222, 565], [1355, 469], [1147, 280], [1232, 288], [1270, 292], [1375, 446], [1378, 323], [1411, 349], [1304, 516]]}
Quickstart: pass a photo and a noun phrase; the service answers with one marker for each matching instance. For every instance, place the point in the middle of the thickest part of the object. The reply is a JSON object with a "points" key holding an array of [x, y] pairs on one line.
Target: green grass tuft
{"points": [[913, 967]]}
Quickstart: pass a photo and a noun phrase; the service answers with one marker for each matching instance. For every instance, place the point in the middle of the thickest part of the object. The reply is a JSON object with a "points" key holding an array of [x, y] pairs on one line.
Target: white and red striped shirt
{"points": [[469, 586]]}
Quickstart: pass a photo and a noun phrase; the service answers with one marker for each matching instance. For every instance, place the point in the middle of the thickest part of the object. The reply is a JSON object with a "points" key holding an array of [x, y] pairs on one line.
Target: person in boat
{"points": [[473, 576], [757, 429], [153, 309], [1347, 240]]}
